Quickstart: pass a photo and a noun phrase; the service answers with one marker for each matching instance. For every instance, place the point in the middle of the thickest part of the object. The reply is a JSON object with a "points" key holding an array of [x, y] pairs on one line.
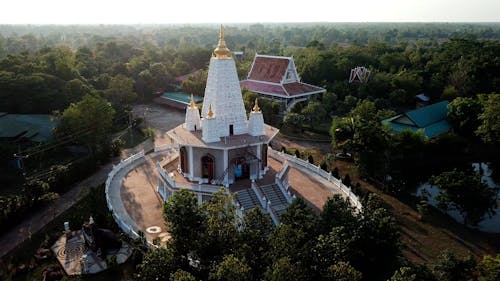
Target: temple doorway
{"points": [[207, 167], [241, 168]]}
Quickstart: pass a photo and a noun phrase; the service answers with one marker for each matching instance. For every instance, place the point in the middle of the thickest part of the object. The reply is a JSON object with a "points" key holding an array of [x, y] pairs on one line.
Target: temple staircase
{"points": [[250, 198]]}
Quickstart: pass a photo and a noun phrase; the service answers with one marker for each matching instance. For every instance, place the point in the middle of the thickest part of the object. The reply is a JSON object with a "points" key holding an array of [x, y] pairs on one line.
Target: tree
{"points": [[489, 268], [378, 240], [449, 267], [464, 115], [120, 91], [157, 264], [466, 193], [404, 274], [222, 223], [314, 112], [489, 130], [181, 275], [254, 241], [87, 122], [231, 268], [337, 211], [186, 221], [284, 270], [294, 121], [343, 271]]}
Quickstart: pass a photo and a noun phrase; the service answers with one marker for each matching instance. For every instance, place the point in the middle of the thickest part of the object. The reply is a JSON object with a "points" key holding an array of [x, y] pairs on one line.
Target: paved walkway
{"points": [[36, 221], [133, 195]]}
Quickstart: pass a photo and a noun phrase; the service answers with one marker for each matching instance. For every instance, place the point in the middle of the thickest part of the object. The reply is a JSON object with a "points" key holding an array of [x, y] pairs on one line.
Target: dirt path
{"points": [[36, 221]]}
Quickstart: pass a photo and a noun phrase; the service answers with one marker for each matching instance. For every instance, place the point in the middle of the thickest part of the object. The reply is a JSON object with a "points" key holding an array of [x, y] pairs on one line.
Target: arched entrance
{"points": [[184, 160], [241, 168], [208, 167]]}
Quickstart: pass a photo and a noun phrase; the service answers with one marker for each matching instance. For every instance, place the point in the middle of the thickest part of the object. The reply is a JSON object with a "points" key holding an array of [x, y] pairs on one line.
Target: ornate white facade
{"points": [[223, 93]]}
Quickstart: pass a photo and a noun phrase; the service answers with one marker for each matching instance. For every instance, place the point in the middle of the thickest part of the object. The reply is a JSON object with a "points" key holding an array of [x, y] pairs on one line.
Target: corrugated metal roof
{"points": [[428, 115], [37, 127], [431, 119]]}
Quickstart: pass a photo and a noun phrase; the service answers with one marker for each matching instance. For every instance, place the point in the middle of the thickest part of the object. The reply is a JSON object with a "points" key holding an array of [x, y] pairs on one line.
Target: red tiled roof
{"points": [[286, 90], [263, 87], [300, 88], [269, 69]]}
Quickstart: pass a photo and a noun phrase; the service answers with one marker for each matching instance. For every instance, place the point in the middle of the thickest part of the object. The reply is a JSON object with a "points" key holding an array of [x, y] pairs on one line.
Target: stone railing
{"points": [[126, 228], [281, 180], [262, 199], [301, 164]]}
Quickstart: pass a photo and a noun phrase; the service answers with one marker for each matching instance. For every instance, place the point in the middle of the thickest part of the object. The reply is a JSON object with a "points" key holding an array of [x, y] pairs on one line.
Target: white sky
{"points": [[219, 11]]}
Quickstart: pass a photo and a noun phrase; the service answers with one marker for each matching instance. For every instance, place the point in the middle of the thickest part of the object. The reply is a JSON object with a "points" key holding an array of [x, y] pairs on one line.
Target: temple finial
{"points": [[256, 106], [192, 104], [210, 114], [222, 52]]}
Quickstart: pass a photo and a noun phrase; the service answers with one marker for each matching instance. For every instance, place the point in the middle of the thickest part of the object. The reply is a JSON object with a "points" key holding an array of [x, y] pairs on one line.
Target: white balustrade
{"points": [[284, 158]]}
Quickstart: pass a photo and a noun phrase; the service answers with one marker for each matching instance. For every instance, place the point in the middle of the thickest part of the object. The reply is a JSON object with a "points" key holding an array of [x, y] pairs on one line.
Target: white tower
{"points": [[256, 121], [192, 121], [209, 132], [223, 93]]}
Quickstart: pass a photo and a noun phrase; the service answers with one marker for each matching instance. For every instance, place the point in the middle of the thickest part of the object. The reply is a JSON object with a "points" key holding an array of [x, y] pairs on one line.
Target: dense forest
{"points": [[88, 77]]}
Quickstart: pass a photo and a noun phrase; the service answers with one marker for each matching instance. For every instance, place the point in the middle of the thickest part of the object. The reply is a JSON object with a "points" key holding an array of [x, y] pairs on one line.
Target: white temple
{"points": [[222, 145]]}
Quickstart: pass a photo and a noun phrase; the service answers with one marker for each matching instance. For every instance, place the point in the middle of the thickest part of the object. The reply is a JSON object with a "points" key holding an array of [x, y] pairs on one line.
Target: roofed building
{"points": [[34, 128], [431, 119], [276, 78]]}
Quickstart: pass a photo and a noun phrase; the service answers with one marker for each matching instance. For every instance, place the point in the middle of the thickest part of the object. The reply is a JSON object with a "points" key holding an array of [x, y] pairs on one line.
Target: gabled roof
{"points": [[430, 114], [277, 76], [431, 119], [269, 68]]}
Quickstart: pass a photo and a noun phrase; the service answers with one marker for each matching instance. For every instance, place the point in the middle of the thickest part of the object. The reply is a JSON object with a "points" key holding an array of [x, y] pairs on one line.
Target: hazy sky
{"points": [[220, 11]]}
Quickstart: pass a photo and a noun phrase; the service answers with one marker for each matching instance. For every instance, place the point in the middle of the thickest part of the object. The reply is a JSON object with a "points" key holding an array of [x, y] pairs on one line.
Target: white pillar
{"points": [[200, 198], [259, 163], [190, 160], [226, 161]]}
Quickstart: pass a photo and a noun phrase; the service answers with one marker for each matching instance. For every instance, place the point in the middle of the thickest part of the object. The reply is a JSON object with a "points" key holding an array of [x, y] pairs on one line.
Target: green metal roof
{"points": [[430, 119], [428, 115], [36, 127]]}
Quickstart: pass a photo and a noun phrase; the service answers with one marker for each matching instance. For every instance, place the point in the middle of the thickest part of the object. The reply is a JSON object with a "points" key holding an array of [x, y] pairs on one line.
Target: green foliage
{"points": [[231, 268], [489, 268], [337, 211], [285, 270], [343, 271], [181, 275], [186, 221], [466, 193], [87, 122], [464, 113], [254, 241], [294, 121], [489, 130], [157, 264], [404, 274], [120, 91], [449, 267]]}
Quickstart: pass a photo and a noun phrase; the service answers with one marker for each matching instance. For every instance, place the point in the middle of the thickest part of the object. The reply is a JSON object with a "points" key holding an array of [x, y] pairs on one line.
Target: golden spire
{"points": [[256, 106], [222, 52], [210, 114], [192, 104]]}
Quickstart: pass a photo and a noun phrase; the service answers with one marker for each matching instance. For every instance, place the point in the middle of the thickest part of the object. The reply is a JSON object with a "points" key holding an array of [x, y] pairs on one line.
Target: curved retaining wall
{"points": [[122, 223]]}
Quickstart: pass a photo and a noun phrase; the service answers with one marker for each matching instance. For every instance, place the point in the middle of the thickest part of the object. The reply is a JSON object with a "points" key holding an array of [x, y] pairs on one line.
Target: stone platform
{"points": [[70, 251]]}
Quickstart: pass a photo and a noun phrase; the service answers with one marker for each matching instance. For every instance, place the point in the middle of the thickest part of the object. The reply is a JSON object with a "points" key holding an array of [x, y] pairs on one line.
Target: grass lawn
{"points": [[93, 204]]}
